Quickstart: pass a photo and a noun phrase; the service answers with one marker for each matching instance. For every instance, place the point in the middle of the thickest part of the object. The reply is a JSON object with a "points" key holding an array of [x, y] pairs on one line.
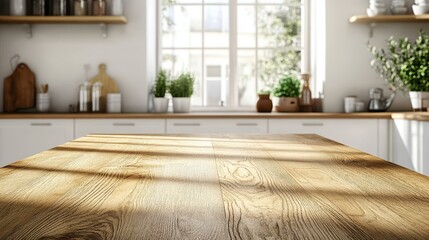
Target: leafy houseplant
{"points": [[287, 90], [404, 65], [160, 103], [181, 90]]}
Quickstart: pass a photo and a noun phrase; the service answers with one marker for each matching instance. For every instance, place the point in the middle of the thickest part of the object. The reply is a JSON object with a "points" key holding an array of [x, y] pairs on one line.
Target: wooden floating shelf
{"points": [[389, 18], [63, 19]]}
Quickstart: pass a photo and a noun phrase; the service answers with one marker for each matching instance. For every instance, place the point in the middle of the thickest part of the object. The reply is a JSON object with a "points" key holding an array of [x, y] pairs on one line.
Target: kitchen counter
{"points": [[210, 187], [214, 115]]}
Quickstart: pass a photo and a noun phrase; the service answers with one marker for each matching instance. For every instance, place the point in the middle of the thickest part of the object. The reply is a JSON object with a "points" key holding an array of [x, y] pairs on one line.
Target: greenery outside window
{"points": [[235, 48]]}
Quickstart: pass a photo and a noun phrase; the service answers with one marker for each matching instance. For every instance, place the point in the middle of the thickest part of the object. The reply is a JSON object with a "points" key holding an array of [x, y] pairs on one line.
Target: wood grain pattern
{"points": [[210, 187]]}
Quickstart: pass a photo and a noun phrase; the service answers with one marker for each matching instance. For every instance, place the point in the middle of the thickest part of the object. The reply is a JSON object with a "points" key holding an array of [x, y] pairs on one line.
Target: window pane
{"points": [[279, 26], [246, 26], [245, 1], [179, 61], [183, 1], [272, 1], [216, 25], [274, 63], [216, 64], [216, 1], [246, 67], [181, 26]]}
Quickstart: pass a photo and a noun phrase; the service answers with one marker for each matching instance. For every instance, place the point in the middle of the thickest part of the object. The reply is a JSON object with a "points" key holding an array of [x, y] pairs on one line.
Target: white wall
{"points": [[347, 59], [57, 54]]}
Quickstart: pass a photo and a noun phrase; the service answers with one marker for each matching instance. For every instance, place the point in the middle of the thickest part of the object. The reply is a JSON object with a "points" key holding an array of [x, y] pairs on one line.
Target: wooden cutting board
{"points": [[108, 85], [19, 89]]}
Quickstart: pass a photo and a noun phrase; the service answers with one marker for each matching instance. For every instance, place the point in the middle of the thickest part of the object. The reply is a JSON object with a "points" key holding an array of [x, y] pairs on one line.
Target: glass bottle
{"points": [[99, 7], [17, 7], [39, 7], [80, 7], [59, 7], [305, 100], [85, 97], [96, 96]]}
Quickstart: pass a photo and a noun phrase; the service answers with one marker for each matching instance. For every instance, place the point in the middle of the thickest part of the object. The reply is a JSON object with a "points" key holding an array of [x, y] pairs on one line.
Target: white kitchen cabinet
{"points": [[410, 142], [368, 135], [20, 138], [119, 126], [220, 125]]}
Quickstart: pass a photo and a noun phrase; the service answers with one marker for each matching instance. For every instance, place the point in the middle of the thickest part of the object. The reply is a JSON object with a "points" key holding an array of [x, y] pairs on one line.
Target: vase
{"points": [[181, 104], [419, 100], [264, 103], [287, 104], [160, 105]]}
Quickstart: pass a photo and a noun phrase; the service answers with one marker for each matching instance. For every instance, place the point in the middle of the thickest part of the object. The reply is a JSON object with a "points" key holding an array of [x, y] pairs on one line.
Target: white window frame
{"points": [[233, 101]]}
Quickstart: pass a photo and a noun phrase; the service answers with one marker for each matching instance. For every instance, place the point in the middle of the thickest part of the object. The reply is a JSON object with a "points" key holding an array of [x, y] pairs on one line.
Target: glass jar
{"points": [[80, 7], [117, 7], [99, 7], [59, 7], [84, 103], [17, 7], [39, 7]]}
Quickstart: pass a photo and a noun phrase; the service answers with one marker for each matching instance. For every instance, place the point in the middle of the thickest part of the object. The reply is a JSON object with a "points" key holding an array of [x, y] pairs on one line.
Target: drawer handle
{"points": [[312, 124], [187, 124], [246, 124], [41, 124], [124, 124]]}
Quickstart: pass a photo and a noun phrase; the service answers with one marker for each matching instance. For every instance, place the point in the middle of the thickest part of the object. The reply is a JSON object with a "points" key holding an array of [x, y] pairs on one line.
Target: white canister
{"points": [[116, 7], [43, 102], [17, 7], [114, 103], [350, 104]]}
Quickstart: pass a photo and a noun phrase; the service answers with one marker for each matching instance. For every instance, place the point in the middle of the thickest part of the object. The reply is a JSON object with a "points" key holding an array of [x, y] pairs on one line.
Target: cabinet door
{"points": [[362, 134], [84, 127], [216, 126], [22, 138], [425, 148]]}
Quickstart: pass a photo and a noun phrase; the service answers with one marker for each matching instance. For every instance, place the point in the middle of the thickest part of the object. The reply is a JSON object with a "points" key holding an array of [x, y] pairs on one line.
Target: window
{"points": [[233, 47]]}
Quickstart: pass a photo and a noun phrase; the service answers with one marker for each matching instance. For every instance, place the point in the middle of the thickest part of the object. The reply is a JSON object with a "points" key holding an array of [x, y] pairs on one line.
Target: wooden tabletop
{"points": [[210, 187]]}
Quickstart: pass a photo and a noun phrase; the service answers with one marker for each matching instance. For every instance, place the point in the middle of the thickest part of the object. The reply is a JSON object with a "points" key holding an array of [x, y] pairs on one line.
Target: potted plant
{"points": [[287, 92], [160, 102], [264, 103], [181, 90], [404, 65]]}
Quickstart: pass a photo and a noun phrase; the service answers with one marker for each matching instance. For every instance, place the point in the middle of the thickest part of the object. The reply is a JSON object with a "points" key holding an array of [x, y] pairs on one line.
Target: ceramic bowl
{"points": [[420, 9], [375, 11]]}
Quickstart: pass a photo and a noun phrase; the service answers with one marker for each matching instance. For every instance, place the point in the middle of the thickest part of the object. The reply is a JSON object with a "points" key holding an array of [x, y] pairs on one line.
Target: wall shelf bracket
{"points": [[371, 29], [104, 30], [29, 30]]}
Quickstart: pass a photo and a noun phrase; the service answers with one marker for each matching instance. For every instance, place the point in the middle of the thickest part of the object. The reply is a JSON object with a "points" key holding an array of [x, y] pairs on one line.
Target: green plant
{"points": [[404, 64], [160, 87], [264, 92], [183, 86], [288, 86]]}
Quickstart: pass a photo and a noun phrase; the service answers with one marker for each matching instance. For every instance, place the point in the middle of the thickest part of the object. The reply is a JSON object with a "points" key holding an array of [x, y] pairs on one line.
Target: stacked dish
{"points": [[421, 7], [376, 7], [398, 7]]}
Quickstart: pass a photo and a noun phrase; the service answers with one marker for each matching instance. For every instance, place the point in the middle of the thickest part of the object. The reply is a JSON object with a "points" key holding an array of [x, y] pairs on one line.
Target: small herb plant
{"points": [[160, 87], [183, 86], [288, 86], [264, 92], [404, 64]]}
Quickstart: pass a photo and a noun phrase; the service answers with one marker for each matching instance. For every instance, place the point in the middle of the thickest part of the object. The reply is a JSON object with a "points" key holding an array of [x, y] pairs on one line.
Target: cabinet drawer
{"points": [[84, 127], [216, 126], [362, 134]]}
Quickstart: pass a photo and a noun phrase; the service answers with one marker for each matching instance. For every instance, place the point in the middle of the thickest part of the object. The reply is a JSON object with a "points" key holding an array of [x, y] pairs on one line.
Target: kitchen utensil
{"points": [[109, 85], [377, 103], [19, 89]]}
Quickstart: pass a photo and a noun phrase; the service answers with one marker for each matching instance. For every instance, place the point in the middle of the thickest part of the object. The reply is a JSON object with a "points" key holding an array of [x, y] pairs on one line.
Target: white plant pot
{"points": [[419, 100], [160, 105], [181, 104]]}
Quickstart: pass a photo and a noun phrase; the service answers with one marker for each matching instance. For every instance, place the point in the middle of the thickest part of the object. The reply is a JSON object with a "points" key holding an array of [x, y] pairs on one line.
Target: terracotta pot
{"points": [[264, 103], [287, 104]]}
